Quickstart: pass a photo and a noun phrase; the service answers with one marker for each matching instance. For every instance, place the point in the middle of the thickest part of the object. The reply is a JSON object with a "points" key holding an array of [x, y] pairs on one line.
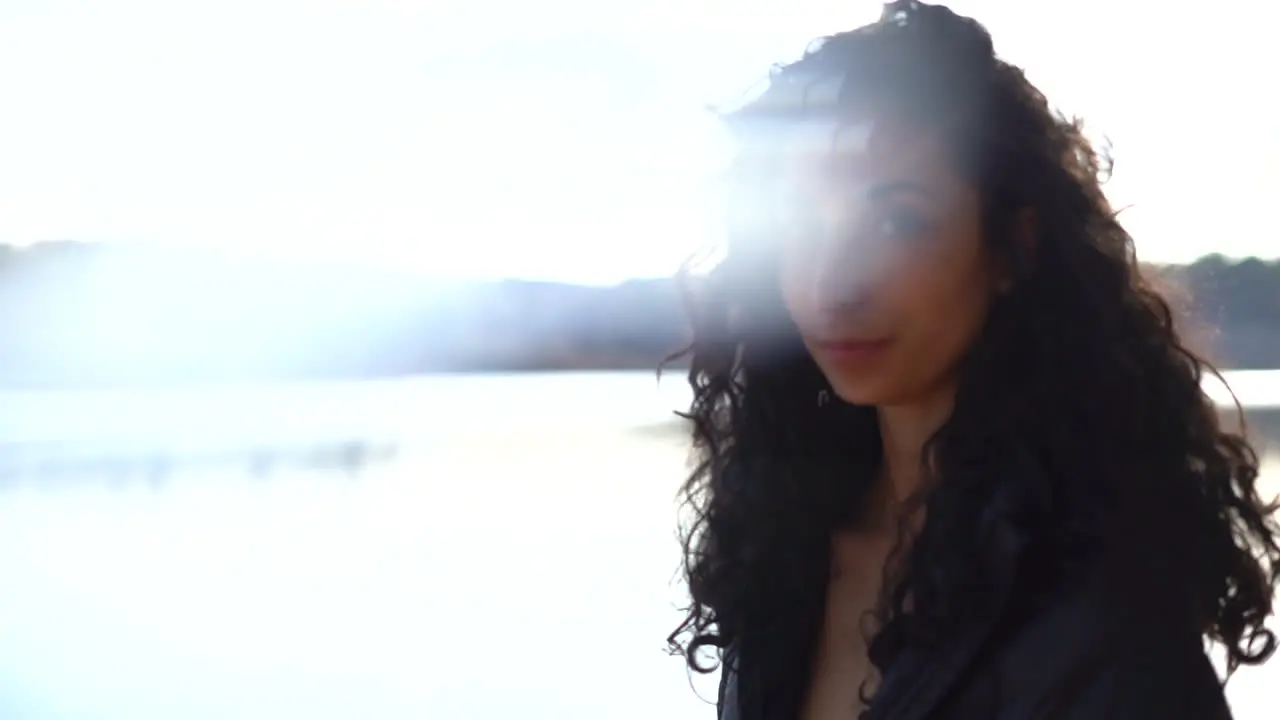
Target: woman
{"points": [[954, 458]]}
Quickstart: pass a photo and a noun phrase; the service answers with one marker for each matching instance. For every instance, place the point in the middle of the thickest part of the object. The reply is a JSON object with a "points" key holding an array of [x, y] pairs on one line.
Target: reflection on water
{"points": [[512, 558]]}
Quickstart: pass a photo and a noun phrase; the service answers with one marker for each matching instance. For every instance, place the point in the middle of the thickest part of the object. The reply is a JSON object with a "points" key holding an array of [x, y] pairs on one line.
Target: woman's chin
{"points": [[861, 391]]}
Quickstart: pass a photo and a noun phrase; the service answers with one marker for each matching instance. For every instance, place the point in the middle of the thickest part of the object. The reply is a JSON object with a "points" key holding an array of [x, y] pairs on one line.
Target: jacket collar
{"points": [[914, 687], [920, 679]]}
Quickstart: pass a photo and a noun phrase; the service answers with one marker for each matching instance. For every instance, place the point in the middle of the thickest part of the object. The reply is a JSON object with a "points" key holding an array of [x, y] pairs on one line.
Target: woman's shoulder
{"points": [[1117, 639]]}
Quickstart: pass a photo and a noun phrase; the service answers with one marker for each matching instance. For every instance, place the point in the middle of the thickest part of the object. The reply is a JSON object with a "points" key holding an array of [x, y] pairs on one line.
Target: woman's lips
{"points": [[856, 349]]}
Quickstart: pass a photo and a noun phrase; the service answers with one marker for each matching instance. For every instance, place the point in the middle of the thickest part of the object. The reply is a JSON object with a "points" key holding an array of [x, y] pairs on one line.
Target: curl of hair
{"points": [[1080, 371]]}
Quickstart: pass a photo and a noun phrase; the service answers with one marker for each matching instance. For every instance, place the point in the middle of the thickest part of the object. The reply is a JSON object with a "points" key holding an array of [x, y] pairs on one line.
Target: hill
{"points": [[91, 315]]}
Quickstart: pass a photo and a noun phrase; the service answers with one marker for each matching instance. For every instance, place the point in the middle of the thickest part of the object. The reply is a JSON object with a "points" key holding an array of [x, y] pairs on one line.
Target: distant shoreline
{"points": [[85, 315]]}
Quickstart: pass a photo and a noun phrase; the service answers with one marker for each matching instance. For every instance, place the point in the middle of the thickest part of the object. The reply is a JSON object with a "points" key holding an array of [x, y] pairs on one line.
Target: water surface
{"points": [[514, 558]]}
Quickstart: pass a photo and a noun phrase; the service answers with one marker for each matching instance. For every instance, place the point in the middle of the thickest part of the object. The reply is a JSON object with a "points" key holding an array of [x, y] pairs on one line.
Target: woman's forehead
{"points": [[871, 147]]}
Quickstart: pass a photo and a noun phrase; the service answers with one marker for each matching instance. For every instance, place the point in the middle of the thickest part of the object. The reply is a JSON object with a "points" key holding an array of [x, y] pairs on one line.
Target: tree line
{"points": [[93, 315]]}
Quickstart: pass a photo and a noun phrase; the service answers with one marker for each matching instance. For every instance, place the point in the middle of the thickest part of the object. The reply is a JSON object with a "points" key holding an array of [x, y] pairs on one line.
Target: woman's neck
{"points": [[904, 430]]}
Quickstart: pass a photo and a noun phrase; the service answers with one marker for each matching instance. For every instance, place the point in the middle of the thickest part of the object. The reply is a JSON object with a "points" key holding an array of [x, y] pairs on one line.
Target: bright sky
{"points": [[553, 139]]}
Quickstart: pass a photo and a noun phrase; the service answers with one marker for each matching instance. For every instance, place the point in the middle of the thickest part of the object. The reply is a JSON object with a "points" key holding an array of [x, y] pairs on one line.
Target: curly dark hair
{"points": [[1079, 418]]}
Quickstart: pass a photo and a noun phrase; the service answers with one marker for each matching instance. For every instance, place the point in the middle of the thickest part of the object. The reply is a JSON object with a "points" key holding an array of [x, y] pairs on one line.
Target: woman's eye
{"points": [[902, 224]]}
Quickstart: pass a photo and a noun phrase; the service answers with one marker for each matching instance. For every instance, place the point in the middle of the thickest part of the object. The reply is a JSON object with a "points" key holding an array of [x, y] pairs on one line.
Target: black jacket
{"points": [[1092, 650]]}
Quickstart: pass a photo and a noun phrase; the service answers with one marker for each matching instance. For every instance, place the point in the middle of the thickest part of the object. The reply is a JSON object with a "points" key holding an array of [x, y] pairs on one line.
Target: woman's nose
{"points": [[845, 269], [841, 282]]}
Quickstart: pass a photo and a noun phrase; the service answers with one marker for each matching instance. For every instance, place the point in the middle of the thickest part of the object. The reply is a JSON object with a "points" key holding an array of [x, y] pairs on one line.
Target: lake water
{"points": [[494, 547]]}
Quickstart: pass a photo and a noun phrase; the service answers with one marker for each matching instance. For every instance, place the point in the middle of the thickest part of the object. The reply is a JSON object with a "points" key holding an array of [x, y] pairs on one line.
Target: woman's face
{"points": [[884, 270]]}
